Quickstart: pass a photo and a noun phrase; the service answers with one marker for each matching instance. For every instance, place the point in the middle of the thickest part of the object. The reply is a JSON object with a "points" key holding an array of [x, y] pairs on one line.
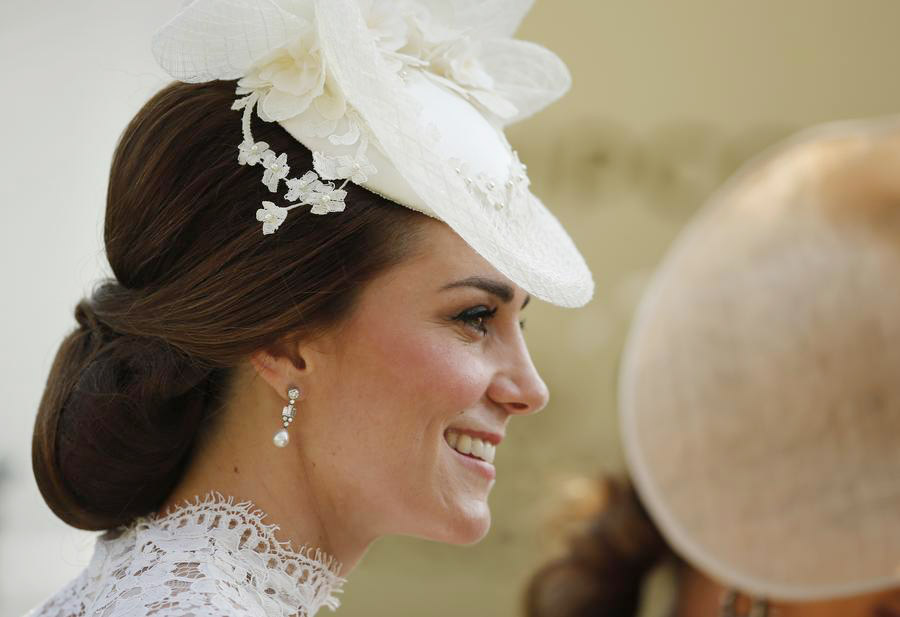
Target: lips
{"points": [[481, 468]]}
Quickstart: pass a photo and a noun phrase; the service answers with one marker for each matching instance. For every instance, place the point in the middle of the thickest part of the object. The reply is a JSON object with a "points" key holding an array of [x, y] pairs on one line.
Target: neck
{"points": [[239, 459]]}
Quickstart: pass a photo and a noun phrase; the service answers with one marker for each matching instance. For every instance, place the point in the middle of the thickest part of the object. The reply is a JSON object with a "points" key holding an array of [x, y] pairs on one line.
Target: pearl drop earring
{"points": [[281, 438]]}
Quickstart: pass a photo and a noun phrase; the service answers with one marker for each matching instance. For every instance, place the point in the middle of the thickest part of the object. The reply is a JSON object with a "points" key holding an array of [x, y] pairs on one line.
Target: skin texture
{"points": [[367, 455], [699, 596]]}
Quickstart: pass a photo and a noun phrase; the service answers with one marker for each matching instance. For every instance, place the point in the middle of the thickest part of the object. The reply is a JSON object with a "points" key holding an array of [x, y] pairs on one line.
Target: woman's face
{"points": [[433, 354]]}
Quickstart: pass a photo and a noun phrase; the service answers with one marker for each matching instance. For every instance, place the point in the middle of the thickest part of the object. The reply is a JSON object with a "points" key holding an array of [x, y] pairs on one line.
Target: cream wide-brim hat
{"points": [[426, 136], [760, 388]]}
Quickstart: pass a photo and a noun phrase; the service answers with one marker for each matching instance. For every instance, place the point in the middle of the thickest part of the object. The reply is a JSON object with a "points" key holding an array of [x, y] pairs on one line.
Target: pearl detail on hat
{"points": [[487, 190]]}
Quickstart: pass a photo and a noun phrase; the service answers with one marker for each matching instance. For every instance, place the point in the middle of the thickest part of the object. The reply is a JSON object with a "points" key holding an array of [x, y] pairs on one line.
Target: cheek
{"points": [[396, 389], [438, 369], [435, 378], [424, 366]]}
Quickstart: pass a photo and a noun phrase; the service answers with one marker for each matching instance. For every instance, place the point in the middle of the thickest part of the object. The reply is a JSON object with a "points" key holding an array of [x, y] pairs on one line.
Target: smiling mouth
{"points": [[471, 446]]}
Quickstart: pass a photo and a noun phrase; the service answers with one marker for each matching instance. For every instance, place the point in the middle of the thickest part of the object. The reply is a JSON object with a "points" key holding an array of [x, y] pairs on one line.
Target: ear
{"points": [[281, 371]]}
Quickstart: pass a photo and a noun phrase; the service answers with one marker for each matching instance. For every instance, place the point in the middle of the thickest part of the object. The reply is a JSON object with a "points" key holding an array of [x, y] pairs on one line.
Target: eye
{"points": [[477, 317]]}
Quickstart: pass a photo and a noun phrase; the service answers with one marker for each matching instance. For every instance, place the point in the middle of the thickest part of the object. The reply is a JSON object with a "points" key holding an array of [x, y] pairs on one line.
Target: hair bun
{"points": [[133, 411], [89, 321], [139, 371]]}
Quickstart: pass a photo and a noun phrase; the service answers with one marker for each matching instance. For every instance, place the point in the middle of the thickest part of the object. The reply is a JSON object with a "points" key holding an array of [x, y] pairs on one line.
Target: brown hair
{"points": [[197, 288], [606, 562]]}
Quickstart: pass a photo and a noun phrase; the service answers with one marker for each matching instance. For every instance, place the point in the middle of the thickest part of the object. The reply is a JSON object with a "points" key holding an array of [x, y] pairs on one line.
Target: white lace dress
{"points": [[210, 558]]}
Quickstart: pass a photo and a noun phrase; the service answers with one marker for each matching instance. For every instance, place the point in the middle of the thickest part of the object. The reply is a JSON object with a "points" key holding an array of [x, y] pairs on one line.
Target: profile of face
{"points": [[433, 354]]}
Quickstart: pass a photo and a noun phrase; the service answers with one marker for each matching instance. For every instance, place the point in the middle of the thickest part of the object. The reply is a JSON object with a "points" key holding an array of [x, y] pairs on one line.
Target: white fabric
{"points": [[210, 558], [405, 98]]}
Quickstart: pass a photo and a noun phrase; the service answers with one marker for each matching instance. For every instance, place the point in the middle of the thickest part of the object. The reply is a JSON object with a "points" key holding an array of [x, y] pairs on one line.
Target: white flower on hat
{"points": [[450, 53], [387, 21], [251, 153], [326, 199], [355, 168], [331, 104], [288, 79], [458, 61], [271, 216], [452, 58], [299, 187], [276, 169]]}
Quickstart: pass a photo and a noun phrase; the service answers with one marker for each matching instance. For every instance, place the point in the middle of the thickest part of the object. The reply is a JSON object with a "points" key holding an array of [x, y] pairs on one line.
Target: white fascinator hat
{"points": [[405, 98], [760, 389]]}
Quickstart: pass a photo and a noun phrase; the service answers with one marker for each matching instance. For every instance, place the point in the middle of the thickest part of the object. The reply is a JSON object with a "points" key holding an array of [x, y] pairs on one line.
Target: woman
{"points": [[347, 370], [760, 399], [616, 558]]}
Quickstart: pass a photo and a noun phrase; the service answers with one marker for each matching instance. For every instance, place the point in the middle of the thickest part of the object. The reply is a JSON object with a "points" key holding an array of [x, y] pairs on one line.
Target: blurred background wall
{"points": [[668, 99]]}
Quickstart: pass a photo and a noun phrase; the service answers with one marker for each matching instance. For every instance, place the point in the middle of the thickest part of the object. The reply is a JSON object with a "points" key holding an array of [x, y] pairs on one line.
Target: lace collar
{"points": [[212, 556]]}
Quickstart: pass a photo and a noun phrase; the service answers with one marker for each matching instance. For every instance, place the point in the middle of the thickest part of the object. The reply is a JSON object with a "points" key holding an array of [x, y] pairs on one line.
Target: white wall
{"points": [[72, 74]]}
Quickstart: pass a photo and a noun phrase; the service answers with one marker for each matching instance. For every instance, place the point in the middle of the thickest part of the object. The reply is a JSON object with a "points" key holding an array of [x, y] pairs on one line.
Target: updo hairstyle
{"points": [[196, 289]]}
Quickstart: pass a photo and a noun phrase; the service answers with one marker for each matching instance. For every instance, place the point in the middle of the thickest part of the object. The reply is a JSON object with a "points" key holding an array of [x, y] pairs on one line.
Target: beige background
{"points": [[668, 98]]}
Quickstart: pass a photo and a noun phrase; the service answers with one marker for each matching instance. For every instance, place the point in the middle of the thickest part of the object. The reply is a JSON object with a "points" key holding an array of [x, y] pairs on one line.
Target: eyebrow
{"points": [[496, 288]]}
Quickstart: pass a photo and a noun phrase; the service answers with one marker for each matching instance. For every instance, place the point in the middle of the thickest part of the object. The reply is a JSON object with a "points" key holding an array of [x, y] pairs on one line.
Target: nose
{"points": [[518, 388]]}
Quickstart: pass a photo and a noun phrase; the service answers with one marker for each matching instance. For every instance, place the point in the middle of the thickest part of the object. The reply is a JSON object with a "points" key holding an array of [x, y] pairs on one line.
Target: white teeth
{"points": [[477, 448], [466, 444]]}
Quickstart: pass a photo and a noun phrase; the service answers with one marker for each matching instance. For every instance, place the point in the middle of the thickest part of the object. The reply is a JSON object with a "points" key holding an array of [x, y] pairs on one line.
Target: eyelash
{"points": [[479, 315]]}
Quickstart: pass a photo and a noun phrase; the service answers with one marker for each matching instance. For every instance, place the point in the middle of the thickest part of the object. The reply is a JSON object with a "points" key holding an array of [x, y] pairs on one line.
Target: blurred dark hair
{"points": [[606, 563], [196, 289]]}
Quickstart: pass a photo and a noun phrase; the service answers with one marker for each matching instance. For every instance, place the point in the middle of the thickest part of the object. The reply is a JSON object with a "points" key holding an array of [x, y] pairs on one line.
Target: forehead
{"points": [[442, 257]]}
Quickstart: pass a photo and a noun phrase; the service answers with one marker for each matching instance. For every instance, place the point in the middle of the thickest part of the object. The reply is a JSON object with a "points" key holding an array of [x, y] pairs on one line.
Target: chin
{"points": [[476, 534], [469, 526]]}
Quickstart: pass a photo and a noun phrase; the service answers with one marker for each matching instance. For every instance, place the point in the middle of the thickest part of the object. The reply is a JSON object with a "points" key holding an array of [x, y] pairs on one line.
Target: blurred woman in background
{"points": [[760, 401]]}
